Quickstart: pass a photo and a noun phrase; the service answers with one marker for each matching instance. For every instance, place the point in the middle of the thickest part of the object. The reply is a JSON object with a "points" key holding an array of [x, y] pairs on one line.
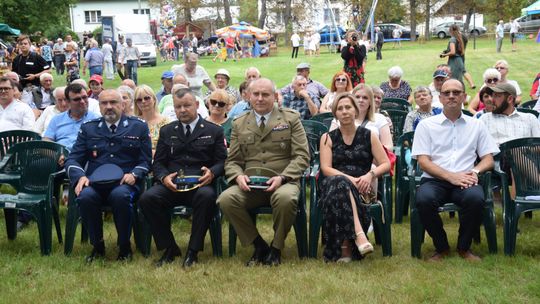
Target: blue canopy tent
{"points": [[532, 9]]}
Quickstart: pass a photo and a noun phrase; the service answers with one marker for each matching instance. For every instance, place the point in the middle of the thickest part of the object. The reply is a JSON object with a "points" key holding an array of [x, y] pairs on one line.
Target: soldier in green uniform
{"points": [[273, 138]]}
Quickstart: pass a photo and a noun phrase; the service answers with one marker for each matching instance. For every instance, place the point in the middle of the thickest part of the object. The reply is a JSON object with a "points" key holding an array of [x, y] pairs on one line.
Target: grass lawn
{"points": [[28, 277]]}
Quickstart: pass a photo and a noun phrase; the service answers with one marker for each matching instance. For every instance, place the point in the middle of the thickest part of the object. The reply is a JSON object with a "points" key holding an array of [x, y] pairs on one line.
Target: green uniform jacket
{"points": [[282, 146]]}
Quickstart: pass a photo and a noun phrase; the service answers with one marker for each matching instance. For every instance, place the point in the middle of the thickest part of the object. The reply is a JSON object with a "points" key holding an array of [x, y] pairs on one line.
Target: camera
{"points": [[354, 37]]}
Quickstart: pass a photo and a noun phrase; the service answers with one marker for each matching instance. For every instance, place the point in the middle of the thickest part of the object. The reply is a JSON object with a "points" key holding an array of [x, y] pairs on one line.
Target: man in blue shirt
{"points": [[167, 83], [65, 126], [300, 99]]}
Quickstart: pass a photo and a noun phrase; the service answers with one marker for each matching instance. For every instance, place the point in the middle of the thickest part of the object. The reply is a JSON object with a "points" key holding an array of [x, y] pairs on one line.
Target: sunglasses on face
{"points": [[146, 98], [454, 93], [492, 80], [341, 79], [218, 103], [77, 99]]}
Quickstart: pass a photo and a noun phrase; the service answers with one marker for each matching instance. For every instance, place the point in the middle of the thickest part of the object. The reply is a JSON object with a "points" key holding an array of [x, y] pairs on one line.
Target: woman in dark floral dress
{"points": [[346, 157], [354, 55]]}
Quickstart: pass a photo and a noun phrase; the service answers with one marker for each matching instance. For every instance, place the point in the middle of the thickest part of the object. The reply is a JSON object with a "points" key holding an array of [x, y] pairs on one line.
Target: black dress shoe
{"points": [[125, 255], [191, 259], [169, 255], [97, 253], [273, 258], [258, 256]]}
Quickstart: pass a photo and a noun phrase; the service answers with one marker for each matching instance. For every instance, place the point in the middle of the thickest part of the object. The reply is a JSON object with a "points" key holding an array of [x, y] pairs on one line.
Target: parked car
{"points": [[529, 24], [388, 28], [443, 30], [327, 32]]}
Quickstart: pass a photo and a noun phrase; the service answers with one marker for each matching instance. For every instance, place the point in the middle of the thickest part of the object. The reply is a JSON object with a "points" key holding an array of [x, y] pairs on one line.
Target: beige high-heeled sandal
{"points": [[365, 248]]}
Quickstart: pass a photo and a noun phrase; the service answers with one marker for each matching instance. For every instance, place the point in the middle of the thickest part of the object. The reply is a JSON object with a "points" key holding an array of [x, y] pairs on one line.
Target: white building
{"points": [[86, 14]]}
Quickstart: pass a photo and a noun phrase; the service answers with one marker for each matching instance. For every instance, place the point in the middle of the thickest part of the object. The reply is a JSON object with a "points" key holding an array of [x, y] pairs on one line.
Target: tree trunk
{"points": [[287, 20], [227, 9], [187, 13], [262, 17], [413, 20], [468, 20], [427, 32]]}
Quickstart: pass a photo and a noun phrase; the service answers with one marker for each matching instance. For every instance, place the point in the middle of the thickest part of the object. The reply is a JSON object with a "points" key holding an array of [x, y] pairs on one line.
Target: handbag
{"points": [[392, 158]]}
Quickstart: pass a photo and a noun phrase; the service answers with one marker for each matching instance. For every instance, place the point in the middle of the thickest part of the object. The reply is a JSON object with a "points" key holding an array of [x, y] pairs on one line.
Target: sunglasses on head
{"points": [[146, 98], [220, 104], [492, 80], [341, 79]]}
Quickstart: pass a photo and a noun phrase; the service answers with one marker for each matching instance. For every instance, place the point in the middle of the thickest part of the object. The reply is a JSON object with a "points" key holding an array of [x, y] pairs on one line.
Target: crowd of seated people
{"points": [[266, 132]]}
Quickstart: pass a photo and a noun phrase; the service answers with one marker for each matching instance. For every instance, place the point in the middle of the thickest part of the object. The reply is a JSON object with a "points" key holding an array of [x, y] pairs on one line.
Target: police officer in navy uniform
{"points": [[189, 146], [113, 139]]}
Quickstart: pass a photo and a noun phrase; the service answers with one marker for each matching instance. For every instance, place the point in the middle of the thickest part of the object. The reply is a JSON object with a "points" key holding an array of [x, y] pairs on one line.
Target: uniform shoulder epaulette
{"points": [[241, 115], [92, 120], [211, 123], [136, 118], [288, 110]]}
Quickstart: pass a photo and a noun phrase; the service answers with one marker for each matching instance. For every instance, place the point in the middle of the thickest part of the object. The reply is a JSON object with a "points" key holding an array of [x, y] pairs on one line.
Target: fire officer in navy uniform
{"points": [[190, 146], [110, 155]]}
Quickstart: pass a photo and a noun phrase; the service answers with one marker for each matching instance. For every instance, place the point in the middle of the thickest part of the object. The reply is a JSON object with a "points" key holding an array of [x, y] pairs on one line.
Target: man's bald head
{"points": [[180, 79]]}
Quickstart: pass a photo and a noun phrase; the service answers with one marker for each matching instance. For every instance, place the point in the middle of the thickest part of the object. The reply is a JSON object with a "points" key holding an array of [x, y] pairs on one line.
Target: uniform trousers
{"points": [[434, 193], [157, 203], [236, 204], [121, 198]]}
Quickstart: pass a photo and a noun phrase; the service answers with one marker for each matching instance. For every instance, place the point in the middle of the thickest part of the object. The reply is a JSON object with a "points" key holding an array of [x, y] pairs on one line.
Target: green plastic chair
{"points": [[404, 144], [396, 104], [184, 211], [467, 112], [300, 224], [398, 121], [527, 104], [523, 157], [326, 118], [380, 214], [314, 131], [527, 110], [417, 229], [9, 174], [73, 218], [38, 163], [227, 129]]}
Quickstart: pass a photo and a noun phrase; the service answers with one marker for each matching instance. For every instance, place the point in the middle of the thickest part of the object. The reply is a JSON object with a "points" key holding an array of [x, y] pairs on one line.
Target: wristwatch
{"points": [[476, 171], [284, 179]]}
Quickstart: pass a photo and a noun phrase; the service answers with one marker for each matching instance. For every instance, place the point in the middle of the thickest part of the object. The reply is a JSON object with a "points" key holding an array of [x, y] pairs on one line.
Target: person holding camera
{"points": [[354, 55], [455, 52]]}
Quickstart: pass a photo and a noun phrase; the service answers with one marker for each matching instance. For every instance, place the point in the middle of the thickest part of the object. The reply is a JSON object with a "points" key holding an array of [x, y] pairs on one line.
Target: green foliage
{"points": [[59, 30], [248, 11], [32, 16]]}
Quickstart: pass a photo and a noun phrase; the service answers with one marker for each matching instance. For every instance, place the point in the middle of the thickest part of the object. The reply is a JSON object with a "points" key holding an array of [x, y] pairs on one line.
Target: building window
{"points": [[328, 18], [92, 16], [143, 11]]}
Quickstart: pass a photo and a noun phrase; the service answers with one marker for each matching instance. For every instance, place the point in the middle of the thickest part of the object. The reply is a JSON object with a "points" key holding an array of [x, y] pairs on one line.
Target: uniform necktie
{"points": [[261, 125], [113, 128], [188, 130]]}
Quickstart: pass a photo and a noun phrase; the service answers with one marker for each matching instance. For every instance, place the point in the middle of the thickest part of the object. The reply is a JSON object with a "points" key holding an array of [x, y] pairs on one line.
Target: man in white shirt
{"points": [[514, 29], [446, 147], [499, 35], [107, 51], [295, 40], [505, 123], [14, 115]]}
